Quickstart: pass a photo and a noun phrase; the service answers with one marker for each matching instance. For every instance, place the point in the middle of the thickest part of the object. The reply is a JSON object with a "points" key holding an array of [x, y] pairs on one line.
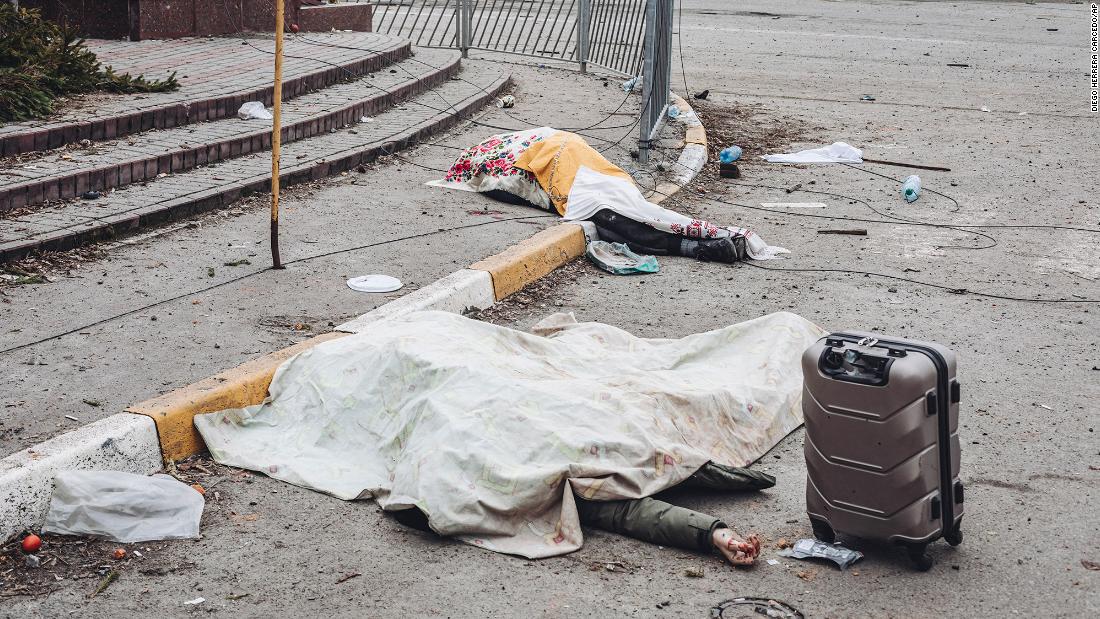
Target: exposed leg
{"points": [[657, 522]]}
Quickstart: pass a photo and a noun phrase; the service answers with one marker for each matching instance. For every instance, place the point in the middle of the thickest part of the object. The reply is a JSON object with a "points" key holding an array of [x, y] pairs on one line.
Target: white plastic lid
{"points": [[374, 283]]}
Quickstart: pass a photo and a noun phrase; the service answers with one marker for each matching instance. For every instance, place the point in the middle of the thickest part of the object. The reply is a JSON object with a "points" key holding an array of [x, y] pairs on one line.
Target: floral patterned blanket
{"points": [[490, 166]]}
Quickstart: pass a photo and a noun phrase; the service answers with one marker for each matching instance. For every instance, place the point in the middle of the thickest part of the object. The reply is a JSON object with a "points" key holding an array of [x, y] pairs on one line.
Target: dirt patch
{"points": [[537, 295], [88, 564], [753, 128], [44, 267]]}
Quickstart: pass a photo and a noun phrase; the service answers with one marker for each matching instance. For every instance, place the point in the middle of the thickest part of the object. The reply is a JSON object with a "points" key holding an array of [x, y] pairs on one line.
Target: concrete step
{"points": [[68, 174], [77, 222], [216, 76]]}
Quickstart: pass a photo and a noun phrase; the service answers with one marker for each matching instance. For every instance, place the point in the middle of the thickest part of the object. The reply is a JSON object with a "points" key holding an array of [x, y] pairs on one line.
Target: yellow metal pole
{"points": [[276, 135]]}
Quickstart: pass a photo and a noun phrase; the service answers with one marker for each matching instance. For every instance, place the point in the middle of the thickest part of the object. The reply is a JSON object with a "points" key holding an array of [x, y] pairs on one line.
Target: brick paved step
{"points": [[69, 174], [216, 76], [77, 222]]}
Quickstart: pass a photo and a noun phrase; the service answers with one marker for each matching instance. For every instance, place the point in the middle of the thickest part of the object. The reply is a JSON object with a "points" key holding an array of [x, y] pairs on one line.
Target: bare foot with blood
{"points": [[736, 550]]}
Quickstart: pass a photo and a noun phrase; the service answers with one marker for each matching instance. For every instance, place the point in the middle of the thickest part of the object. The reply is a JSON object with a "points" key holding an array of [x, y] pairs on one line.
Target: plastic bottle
{"points": [[910, 189], [730, 154]]}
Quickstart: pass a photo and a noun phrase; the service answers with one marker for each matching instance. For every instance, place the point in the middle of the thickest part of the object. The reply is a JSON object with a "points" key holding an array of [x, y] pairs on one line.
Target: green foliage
{"points": [[41, 60]]}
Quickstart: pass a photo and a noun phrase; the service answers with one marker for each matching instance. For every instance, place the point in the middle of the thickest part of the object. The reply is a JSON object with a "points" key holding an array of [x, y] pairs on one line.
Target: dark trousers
{"points": [[639, 237]]}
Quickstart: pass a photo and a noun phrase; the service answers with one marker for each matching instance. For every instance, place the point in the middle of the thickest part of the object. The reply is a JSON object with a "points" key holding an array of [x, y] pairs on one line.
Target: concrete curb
{"points": [[692, 158], [171, 434]]}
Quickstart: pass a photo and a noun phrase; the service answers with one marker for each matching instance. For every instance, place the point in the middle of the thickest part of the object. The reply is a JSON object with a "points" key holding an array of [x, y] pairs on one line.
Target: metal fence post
{"points": [[584, 22], [464, 27], [649, 43]]}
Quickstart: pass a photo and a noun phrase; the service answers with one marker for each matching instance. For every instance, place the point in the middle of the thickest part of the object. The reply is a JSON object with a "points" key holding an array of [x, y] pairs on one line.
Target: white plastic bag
{"points": [[837, 152], [123, 507], [254, 109]]}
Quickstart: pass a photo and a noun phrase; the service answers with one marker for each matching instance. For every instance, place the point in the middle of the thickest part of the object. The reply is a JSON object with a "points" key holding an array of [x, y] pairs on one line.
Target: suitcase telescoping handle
{"points": [[939, 403]]}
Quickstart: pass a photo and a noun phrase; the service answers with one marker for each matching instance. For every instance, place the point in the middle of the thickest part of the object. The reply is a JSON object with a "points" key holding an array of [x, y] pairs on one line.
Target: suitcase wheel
{"points": [[823, 531], [954, 536], [919, 556]]}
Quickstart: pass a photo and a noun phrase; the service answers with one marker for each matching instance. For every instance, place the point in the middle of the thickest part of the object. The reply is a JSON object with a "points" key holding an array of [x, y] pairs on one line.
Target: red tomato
{"points": [[32, 543]]}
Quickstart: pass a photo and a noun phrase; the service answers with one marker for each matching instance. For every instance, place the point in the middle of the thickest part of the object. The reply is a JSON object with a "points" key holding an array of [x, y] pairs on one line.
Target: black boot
{"points": [[728, 250]]}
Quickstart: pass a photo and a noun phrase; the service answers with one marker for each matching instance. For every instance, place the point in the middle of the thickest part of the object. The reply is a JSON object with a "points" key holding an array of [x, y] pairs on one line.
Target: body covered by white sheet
{"points": [[490, 431], [593, 191]]}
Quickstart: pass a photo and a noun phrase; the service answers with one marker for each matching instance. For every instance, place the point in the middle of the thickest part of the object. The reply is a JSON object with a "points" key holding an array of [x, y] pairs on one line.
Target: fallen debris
{"points": [[253, 110], [730, 154], [348, 576], [837, 152], [794, 188], [31, 543], [814, 549], [106, 582], [910, 189], [852, 232], [1090, 565], [765, 607], [617, 259], [900, 164], [702, 95], [123, 507], [374, 283], [694, 572], [194, 602]]}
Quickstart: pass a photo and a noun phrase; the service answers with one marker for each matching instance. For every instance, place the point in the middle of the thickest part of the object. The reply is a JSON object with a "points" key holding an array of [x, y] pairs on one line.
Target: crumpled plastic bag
{"points": [[254, 109], [813, 549], [837, 152], [123, 507], [617, 258]]}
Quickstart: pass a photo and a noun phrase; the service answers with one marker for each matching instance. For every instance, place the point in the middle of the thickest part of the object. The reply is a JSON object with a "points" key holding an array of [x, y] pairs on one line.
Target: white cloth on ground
{"points": [[837, 152], [491, 431]]}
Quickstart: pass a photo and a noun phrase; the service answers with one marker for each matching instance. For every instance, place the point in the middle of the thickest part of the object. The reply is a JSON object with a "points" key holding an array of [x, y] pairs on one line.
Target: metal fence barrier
{"points": [[628, 37], [605, 33], [656, 72]]}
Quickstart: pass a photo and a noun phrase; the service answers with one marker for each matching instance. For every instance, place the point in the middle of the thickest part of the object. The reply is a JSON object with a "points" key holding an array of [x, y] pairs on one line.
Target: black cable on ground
{"points": [[259, 271], [950, 289]]}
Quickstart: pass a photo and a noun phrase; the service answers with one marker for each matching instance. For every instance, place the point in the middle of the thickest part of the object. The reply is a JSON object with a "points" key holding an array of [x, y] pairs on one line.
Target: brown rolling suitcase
{"points": [[882, 442]]}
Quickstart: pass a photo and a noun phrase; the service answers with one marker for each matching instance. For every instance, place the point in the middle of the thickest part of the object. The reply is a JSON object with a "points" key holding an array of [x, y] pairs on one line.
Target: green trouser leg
{"points": [[651, 520], [655, 521], [715, 476]]}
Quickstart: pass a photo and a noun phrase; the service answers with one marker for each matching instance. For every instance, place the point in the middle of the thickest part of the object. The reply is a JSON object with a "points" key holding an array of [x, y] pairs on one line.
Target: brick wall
{"points": [[164, 19]]}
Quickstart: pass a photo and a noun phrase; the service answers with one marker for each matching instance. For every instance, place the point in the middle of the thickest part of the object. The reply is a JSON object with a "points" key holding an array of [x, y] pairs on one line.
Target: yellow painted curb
{"points": [[244, 385], [530, 260]]}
